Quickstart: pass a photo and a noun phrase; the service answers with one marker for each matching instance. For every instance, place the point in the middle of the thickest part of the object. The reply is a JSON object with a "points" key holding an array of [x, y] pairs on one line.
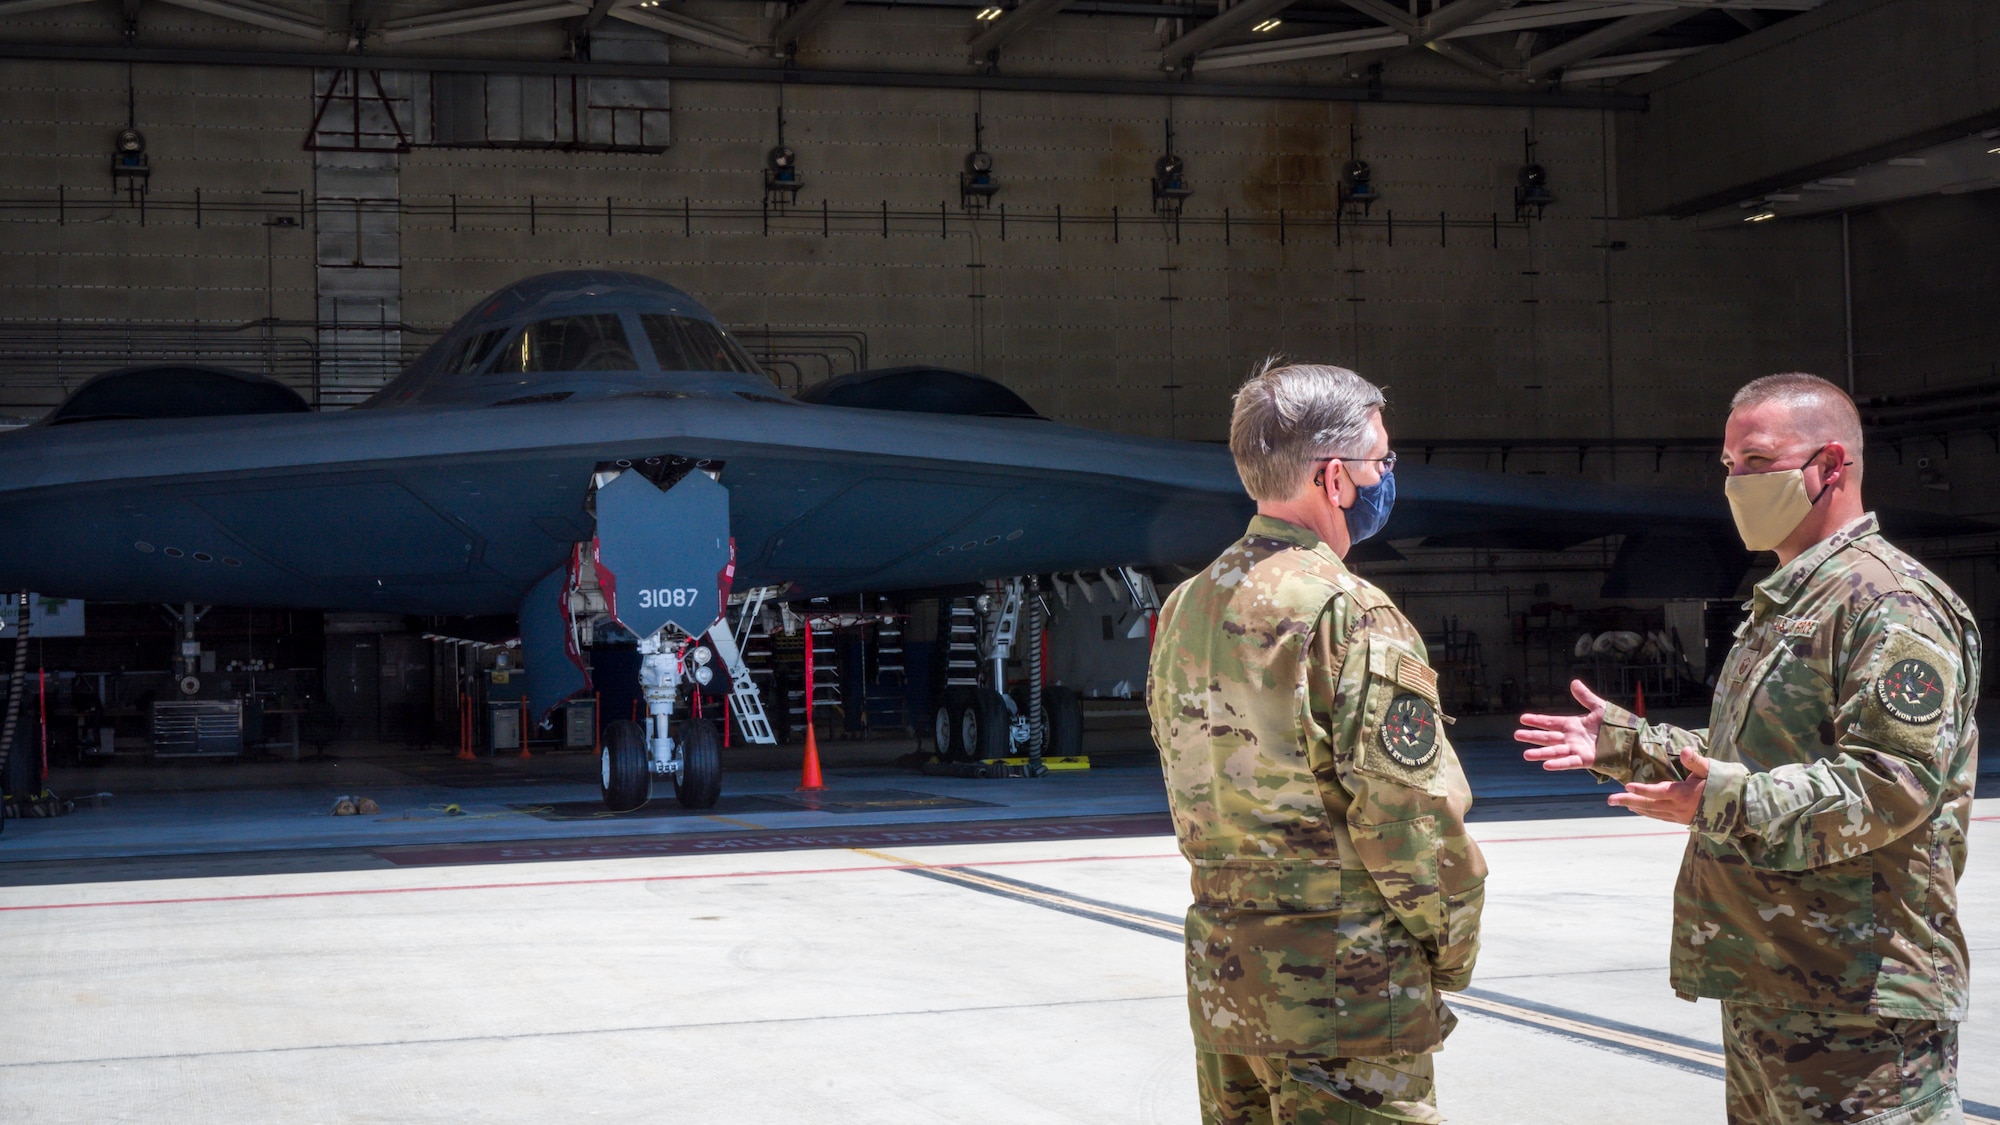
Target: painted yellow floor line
{"points": [[732, 820], [1582, 1027], [1015, 890], [1499, 1008]]}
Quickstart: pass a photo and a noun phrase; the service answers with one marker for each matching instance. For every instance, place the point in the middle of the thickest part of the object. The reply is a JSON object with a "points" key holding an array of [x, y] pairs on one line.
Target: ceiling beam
{"points": [[986, 37], [257, 15], [1621, 66], [769, 74], [484, 18], [1245, 13], [1300, 47], [1467, 19], [804, 18], [587, 22], [22, 7], [1455, 15], [684, 27], [1611, 36], [1395, 17], [1471, 60], [1462, 17]]}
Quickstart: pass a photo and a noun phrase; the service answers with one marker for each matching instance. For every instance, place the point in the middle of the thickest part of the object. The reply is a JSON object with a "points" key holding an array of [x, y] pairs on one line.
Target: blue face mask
{"points": [[1372, 504]]}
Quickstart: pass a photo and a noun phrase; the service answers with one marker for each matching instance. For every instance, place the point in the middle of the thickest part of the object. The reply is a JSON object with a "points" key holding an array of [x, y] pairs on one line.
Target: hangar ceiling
{"points": [[1511, 50]]}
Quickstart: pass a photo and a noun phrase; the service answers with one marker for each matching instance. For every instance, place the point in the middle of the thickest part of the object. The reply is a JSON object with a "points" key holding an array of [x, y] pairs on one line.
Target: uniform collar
{"points": [[1784, 584], [1267, 527]]}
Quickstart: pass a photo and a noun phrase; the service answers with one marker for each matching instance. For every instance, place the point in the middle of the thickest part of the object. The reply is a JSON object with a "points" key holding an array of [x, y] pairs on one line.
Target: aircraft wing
{"points": [[460, 510]]}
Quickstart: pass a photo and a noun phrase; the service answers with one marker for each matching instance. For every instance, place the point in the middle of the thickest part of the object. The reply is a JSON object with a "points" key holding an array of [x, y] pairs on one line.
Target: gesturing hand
{"points": [[1675, 801], [1564, 742]]}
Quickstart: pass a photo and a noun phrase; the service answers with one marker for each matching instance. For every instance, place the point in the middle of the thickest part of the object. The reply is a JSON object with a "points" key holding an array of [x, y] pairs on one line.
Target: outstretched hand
{"points": [[1674, 801], [1564, 742]]}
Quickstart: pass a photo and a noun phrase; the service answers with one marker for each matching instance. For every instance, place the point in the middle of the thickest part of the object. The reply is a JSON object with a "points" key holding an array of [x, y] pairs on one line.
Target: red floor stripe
{"points": [[362, 891], [525, 884], [1604, 836]]}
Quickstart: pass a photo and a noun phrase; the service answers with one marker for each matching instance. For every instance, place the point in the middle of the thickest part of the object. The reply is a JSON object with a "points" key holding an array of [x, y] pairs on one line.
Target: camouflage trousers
{"points": [[1253, 1090], [1823, 1068]]}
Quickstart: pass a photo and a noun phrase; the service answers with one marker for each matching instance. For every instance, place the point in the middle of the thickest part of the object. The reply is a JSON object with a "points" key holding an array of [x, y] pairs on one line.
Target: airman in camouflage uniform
{"points": [[1336, 892], [1827, 799]]}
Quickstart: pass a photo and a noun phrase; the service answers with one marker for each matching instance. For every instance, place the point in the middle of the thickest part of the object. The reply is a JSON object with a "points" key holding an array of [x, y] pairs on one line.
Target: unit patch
{"points": [[1409, 730], [1911, 691]]}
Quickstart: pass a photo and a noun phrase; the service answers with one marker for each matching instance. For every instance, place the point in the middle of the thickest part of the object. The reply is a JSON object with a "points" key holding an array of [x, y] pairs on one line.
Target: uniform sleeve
{"points": [[1407, 821], [1630, 749], [1893, 731]]}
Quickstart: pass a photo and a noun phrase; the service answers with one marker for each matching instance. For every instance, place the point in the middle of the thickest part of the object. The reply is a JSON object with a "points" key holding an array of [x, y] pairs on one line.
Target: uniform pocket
{"points": [[1403, 859], [1783, 939]]}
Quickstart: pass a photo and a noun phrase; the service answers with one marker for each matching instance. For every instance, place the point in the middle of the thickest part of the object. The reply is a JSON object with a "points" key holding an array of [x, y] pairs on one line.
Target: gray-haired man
{"points": [[1336, 893]]}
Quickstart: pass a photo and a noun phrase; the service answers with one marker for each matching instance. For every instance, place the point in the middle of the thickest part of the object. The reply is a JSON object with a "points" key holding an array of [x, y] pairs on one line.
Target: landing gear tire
{"points": [[1062, 714], [22, 778], [701, 765], [950, 726], [985, 725], [623, 770]]}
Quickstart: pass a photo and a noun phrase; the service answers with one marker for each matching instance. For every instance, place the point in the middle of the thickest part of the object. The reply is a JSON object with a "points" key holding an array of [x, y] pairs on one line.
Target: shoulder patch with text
{"points": [[1409, 730], [1911, 691]]}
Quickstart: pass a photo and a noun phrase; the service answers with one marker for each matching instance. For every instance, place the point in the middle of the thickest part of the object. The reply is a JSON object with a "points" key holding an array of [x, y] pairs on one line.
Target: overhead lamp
{"points": [[1268, 25], [976, 185], [1761, 216], [781, 175], [1531, 188], [989, 14], [781, 166], [1356, 190], [1357, 187], [1993, 152], [130, 168], [1170, 186]]}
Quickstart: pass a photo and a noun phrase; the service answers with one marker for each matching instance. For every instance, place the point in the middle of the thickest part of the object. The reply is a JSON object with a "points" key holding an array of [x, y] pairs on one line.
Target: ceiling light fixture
{"points": [[992, 13], [1761, 216], [1267, 25]]}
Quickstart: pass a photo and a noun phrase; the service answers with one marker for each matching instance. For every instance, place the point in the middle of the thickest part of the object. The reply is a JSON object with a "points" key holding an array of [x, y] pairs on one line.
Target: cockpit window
{"points": [[683, 343], [474, 352], [568, 343]]}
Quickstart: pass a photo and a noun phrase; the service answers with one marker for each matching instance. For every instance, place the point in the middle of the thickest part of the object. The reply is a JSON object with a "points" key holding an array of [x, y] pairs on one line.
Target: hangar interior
{"points": [[1559, 233]]}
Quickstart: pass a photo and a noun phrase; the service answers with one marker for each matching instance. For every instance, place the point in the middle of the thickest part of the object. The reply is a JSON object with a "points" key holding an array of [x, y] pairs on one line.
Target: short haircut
{"points": [[1820, 411], [1289, 413]]}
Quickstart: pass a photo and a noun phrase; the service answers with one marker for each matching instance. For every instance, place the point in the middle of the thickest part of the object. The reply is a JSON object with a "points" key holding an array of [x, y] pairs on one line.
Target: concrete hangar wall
{"points": [[1570, 326], [1610, 330]]}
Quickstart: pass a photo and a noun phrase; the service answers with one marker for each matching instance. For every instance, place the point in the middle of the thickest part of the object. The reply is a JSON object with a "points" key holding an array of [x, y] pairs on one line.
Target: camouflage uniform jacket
{"points": [[1822, 869], [1320, 804]]}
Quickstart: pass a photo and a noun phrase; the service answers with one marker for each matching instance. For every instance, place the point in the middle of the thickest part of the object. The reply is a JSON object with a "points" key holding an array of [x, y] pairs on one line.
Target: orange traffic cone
{"points": [[809, 778], [1639, 699]]}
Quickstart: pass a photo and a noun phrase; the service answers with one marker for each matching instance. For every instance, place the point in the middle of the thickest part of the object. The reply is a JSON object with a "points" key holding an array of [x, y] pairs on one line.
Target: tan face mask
{"points": [[1769, 506]]}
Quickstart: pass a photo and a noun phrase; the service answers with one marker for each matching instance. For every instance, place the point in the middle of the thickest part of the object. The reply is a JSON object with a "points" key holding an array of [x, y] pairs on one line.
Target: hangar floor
{"points": [[205, 954], [183, 818]]}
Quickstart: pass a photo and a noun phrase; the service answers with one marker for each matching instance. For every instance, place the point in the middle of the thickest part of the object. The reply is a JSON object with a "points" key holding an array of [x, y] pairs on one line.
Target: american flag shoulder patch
{"points": [[1413, 674]]}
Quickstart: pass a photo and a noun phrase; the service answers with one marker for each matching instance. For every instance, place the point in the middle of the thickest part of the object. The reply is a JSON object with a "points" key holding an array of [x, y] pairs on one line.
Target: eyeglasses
{"points": [[1388, 461]]}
